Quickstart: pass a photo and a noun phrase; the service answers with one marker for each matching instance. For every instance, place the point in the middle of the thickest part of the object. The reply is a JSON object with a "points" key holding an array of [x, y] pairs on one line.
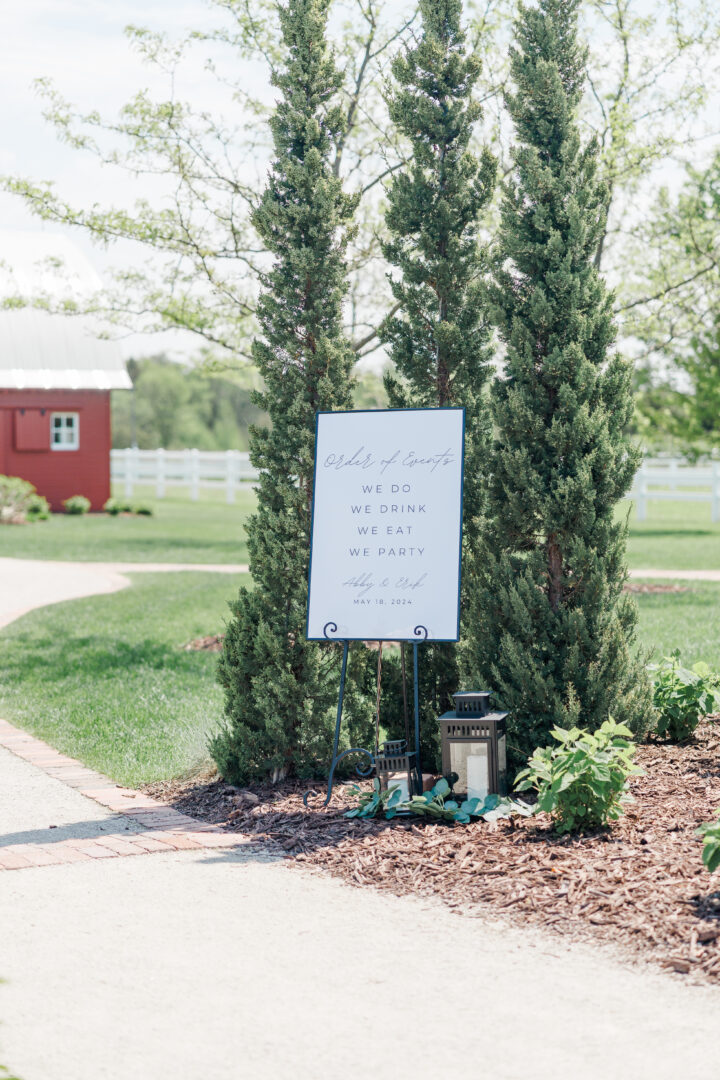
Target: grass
{"points": [[105, 679], [675, 536], [689, 621], [206, 531]]}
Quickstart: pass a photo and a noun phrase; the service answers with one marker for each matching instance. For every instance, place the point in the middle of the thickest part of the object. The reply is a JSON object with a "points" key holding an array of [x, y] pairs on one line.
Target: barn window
{"points": [[64, 431]]}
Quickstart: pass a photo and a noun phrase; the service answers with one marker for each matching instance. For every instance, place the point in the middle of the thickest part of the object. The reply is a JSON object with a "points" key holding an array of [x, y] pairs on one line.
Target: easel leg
{"points": [[416, 689], [336, 741]]}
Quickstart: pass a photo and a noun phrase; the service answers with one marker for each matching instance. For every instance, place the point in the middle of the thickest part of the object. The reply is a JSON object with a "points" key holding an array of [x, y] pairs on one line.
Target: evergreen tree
{"points": [[553, 632], [438, 341], [280, 688]]}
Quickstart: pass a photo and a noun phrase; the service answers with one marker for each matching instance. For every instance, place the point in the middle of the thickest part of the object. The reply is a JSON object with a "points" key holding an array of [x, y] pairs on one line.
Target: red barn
{"points": [[55, 383]]}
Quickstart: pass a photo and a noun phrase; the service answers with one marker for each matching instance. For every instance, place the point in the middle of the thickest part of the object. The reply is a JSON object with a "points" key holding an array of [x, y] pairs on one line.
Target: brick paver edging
{"points": [[161, 827]]}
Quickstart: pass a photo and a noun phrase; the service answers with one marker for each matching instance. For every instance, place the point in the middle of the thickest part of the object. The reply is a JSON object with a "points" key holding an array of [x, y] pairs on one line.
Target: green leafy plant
{"points": [[372, 803], [711, 844], [112, 507], [435, 805], [582, 782], [76, 504], [38, 508], [15, 497], [142, 510], [683, 696]]}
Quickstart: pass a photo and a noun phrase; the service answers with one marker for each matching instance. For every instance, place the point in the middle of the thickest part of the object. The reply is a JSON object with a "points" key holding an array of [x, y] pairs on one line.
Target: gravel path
{"points": [[31, 583]]}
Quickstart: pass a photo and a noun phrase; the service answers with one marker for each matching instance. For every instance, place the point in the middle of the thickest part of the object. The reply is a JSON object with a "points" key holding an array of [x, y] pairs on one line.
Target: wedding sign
{"points": [[387, 525]]}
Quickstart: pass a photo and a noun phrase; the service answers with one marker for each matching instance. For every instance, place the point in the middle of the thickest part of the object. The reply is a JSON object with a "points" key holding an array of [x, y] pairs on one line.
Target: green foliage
{"points": [[175, 406], [371, 803], [582, 782], [439, 338], [434, 805], [711, 844], [114, 506], [683, 697], [16, 496], [76, 504], [38, 508], [552, 633], [279, 688]]}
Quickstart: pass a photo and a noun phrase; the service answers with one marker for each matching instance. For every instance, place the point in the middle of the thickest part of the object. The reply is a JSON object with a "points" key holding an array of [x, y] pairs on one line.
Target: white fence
{"points": [[678, 481], [657, 478], [193, 469]]}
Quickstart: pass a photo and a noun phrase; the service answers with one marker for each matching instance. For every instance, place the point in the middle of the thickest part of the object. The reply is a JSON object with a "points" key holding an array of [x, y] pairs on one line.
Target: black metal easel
{"points": [[420, 632]]}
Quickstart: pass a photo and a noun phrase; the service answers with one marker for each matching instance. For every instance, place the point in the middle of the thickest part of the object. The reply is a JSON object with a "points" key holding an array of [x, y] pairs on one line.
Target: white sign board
{"points": [[387, 525]]}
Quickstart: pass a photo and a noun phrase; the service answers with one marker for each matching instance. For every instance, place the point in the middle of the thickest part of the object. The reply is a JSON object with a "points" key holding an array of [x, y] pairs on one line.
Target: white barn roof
{"points": [[52, 352]]}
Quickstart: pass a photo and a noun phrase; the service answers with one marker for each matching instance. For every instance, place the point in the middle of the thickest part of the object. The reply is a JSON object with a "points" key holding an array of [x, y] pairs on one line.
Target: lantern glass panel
{"points": [[471, 762], [400, 780], [502, 755]]}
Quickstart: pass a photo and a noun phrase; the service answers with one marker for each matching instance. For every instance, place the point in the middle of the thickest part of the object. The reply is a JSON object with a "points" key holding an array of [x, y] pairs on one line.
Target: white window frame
{"points": [[73, 443]]}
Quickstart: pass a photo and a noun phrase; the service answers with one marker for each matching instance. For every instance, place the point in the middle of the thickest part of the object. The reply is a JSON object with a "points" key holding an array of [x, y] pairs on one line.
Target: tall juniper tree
{"points": [[278, 686], [552, 631], [438, 340]]}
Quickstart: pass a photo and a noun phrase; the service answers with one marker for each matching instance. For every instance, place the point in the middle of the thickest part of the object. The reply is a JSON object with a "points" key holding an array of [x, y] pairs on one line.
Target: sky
{"points": [[82, 47]]}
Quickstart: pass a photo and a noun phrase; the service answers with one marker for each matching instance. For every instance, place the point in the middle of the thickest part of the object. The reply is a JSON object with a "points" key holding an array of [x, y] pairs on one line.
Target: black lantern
{"points": [[474, 746], [395, 767]]}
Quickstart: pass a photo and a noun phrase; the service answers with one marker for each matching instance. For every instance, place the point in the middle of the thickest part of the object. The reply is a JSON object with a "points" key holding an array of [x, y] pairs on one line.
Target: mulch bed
{"points": [[640, 883], [209, 643]]}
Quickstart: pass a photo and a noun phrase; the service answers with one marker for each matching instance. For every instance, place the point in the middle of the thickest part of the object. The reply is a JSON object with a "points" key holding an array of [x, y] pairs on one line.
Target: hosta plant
{"points": [[583, 780], [710, 832], [682, 697], [435, 805]]}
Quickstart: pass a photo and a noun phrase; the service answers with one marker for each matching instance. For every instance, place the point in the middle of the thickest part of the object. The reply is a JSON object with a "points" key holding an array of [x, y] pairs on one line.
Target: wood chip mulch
{"points": [[209, 643], [639, 884]]}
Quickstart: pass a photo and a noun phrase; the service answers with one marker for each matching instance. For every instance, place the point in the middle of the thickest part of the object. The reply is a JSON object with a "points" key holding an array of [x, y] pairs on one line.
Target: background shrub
{"points": [[76, 504], [583, 781], [38, 508], [16, 496], [682, 697], [112, 506]]}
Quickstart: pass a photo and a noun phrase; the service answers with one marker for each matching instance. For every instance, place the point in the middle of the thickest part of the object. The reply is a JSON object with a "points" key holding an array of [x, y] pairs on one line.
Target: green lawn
{"points": [[689, 621], [105, 679], [206, 531], [675, 536]]}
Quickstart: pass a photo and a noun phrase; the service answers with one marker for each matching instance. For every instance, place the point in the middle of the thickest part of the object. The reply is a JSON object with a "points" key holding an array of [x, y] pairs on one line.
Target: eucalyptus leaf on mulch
{"points": [[640, 883]]}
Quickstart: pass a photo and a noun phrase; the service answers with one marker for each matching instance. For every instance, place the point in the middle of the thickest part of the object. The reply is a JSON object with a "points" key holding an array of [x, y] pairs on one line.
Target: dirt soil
{"points": [[640, 883]]}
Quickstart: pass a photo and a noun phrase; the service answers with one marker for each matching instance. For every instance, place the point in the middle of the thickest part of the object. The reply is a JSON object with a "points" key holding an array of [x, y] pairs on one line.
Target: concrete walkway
{"points": [[228, 963]]}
